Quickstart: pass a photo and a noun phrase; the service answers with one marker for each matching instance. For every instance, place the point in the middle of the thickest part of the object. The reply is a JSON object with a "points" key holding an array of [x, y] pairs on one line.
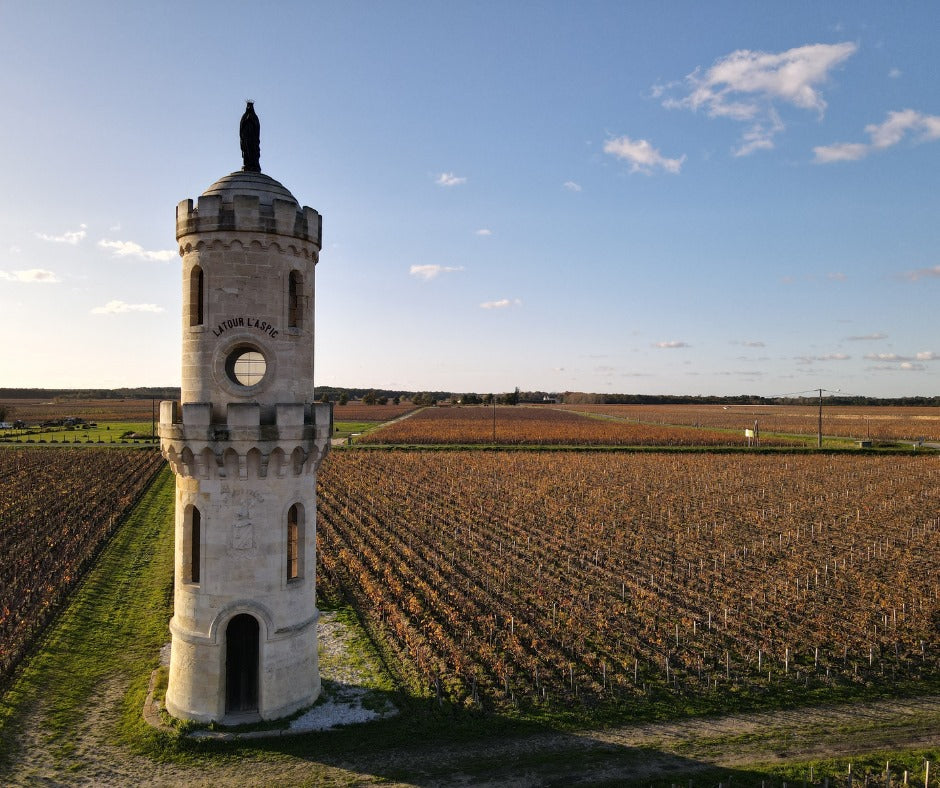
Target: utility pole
{"points": [[494, 418], [819, 439]]}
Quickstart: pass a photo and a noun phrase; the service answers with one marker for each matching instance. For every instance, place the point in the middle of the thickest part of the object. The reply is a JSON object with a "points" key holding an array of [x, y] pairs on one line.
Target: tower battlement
{"points": [[248, 213], [242, 446]]}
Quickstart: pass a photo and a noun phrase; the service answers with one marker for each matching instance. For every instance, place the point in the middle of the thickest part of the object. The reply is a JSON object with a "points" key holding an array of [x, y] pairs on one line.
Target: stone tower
{"points": [[245, 443]]}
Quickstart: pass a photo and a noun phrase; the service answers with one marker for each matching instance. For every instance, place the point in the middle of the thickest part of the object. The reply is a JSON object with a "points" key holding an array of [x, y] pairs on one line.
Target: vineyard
{"points": [[57, 508], [358, 411], [568, 581], [35, 411], [509, 425], [879, 423]]}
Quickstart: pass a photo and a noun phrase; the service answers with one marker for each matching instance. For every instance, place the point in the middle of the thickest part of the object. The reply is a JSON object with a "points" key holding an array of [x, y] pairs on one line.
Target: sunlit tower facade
{"points": [[245, 442]]}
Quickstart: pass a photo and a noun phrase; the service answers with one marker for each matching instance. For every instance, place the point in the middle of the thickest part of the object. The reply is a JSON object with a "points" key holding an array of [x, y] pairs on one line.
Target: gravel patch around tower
{"points": [[354, 686]]}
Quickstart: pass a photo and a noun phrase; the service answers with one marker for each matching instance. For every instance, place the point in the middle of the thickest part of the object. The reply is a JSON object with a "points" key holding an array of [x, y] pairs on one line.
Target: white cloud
{"points": [[894, 73], [836, 276], [449, 179], [132, 249], [502, 303], [896, 126], [924, 355], [428, 272], [671, 344], [121, 308], [71, 237], [747, 86], [484, 231], [571, 186], [30, 276], [827, 357], [642, 156], [921, 273], [863, 337], [842, 151]]}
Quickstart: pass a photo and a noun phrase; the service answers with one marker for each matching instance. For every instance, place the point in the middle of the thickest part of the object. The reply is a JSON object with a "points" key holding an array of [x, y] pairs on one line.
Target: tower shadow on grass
{"points": [[425, 746]]}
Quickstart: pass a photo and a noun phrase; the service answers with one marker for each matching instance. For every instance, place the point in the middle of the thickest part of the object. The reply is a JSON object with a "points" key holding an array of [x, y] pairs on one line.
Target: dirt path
{"points": [[734, 742]]}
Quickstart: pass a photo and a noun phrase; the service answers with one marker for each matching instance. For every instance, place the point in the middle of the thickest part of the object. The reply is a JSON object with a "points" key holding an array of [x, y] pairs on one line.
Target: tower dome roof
{"points": [[252, 184]]}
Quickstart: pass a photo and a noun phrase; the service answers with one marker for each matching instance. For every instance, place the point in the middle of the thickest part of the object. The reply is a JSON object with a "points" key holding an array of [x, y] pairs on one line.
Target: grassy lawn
{"points": [[344, 429], [103, 432]]}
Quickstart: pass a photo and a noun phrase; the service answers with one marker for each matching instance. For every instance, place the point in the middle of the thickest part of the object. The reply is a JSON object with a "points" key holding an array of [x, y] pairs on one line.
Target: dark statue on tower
{"points": [[249, 131]]}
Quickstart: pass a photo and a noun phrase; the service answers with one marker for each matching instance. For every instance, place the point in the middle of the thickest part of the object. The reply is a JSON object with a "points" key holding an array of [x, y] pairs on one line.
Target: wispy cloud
{"points": [[122, 308], [642, 156], [905, 366], [71, 237], [750, 87], [449, 179], [132, 249], [502, 303], [826, 357], [923, 355], [30, 276], [428, 272], [921, 273], [836, 276], [897, 126], [484, 231], [671, 344], [747, 343], [571, 186], [867, 337]]}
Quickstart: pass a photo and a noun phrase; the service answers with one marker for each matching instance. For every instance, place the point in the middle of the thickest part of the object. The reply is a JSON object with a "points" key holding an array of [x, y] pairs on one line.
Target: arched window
{"points": [[196, 296], [192, 538], [294, 300], [295, 541]]}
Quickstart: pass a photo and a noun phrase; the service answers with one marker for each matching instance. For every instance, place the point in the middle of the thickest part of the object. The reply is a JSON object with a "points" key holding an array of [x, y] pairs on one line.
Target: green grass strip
{"points": [[112, 630]]}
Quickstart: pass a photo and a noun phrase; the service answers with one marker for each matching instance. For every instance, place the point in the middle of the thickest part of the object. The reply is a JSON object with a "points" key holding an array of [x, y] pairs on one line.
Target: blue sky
{"points": [[651, 197]]}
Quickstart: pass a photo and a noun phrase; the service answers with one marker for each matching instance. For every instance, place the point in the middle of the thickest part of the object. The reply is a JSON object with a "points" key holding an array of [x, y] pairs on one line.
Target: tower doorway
{"points": [[241, 664]]}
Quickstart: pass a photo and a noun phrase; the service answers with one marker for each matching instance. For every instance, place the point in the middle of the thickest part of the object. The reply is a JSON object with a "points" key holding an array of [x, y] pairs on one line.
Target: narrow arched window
{"points": [[196, 296], [193, 541], [294, 523], [294, 300]]}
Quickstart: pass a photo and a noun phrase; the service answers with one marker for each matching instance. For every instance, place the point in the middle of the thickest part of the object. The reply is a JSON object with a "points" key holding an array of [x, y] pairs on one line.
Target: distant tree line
{"points": [[373, 396], [140, 392]]}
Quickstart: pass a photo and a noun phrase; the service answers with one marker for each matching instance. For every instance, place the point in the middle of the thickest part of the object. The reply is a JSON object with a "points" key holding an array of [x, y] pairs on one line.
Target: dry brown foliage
{"points": [[545, 426], [358, 411], [555, 576], [57, 506], [880, 423]]}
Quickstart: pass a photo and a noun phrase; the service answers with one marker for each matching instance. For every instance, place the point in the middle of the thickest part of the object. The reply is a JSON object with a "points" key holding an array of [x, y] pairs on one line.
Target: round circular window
{"points": [[245, 366]]}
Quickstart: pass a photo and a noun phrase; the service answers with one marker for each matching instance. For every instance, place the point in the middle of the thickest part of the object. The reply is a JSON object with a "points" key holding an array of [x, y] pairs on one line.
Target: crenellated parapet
{"points": [[248, 213], [241, 446]]}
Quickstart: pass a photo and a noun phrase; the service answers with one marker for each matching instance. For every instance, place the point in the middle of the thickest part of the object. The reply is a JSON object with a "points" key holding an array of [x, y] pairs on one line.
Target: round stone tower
{"points": [[245, 443]]}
